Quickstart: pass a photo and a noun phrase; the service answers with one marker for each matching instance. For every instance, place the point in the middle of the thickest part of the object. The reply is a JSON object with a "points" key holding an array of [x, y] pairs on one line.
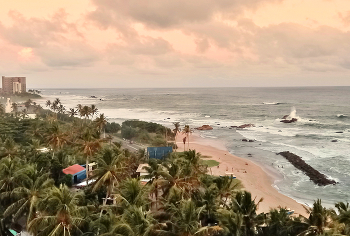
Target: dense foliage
{"points": [[180, 198]]}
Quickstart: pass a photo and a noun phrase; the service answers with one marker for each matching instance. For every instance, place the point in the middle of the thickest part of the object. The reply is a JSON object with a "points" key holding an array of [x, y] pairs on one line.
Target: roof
{"points": [[141, 168], [71, 170]]}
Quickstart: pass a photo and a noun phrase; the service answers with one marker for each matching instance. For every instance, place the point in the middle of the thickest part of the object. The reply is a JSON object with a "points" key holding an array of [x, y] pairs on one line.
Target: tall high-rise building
{"points": [[12, 85]]}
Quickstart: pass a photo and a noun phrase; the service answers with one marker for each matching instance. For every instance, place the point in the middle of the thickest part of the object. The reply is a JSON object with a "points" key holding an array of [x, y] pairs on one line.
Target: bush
{"points": [[112, 127], [128, 132], [67, 180], [144, 137], [158, 142]]}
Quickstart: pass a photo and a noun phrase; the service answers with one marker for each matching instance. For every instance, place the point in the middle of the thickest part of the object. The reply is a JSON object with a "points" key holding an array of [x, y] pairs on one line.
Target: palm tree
{"points": [[101, 123], [14, 107], [344, 215], [93, 110], [2, 109], [231, 222], [109, 171], [57, 101], [80, 108], [176, 130], [90, 144], [61, 213], [187, 130], [72, 112], [226, 187], [279, 222], [319, 218], [28, 103], [135, 222], [186, 217], [48, 103], [86, 112], [243, 204], [154, 170], [61, 109], [133, 193], [9, 173], [55, 137], [33, 185], [10, 148]]}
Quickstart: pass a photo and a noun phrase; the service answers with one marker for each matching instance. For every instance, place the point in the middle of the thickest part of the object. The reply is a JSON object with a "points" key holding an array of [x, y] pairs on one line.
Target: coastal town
{"points": [[138, 167], [175, 118]]}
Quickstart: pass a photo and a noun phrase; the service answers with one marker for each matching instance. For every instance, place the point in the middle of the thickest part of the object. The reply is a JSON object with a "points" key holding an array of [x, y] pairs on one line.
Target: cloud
{"points": [[54, 41], [345, 18], [69, 54], [168, 14]]}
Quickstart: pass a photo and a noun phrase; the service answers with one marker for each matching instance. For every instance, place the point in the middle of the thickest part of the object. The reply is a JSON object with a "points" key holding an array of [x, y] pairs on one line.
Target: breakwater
{"points": [[314, 175]]}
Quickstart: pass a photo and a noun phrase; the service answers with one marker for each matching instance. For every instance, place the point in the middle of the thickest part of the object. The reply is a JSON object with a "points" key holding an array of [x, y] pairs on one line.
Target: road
{"points": [[126, 144]]}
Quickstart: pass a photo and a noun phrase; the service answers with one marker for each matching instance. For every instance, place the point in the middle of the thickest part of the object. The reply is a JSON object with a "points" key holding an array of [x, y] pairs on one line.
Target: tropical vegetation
{"points": [[176, 197]]}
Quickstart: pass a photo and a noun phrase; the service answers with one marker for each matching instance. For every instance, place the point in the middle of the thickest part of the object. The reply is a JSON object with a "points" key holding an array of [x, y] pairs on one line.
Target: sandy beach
{"points": [[252, 176]]}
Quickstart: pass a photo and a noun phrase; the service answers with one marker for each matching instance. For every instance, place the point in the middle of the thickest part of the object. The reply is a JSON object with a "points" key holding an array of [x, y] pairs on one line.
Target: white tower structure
{"points": [[8, 108]]}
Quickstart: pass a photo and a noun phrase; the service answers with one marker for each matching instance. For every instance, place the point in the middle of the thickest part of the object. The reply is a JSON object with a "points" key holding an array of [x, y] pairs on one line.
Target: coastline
{"points": [[253, 177]]}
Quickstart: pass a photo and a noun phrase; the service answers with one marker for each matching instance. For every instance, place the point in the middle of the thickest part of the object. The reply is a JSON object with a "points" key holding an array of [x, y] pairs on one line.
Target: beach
{"points": [[252, 176], [320, 136]]}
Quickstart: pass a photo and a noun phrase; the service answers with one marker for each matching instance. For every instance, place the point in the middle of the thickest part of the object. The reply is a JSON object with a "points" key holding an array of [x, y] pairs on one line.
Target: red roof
{"points": [[71, 170]]}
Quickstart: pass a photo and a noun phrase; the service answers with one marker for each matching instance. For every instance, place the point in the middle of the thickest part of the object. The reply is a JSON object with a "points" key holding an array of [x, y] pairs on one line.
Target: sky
{"points": [[176, 43]]}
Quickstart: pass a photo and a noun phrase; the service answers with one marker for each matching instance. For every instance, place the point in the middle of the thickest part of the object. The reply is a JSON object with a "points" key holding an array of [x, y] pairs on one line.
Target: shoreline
{"points": [[253, 177]]}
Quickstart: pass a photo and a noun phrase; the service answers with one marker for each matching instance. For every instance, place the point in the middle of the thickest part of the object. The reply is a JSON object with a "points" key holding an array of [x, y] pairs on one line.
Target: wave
{"points": [[342, 116], [271, 103]]}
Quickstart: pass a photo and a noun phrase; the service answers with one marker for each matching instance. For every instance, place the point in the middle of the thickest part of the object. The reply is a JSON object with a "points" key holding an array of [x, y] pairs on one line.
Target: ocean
{"points": [[321, 136]]}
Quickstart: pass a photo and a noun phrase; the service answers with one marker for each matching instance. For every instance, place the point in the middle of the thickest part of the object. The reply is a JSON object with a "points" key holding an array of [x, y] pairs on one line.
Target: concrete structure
{"points": [[8, 107], [77, 171], [12, 85]]}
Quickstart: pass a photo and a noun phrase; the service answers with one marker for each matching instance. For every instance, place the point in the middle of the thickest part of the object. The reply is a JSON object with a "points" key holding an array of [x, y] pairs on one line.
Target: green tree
{"points": [[244, 205], [187, 131], [32, 186], [62, 213], [109, 172], [101, 122], [176, 130], [186, 217]]}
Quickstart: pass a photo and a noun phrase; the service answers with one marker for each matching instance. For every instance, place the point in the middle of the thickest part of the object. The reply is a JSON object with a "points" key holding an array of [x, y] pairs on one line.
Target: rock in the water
{"points": [[244, 140], [314, 175], [289, 121], [245, 126], [205, 127], [334, 141]]}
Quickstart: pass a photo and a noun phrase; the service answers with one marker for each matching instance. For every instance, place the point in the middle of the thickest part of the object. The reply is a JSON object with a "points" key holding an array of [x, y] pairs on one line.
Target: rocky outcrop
{"points": [[245, 126], [314, 175], [205, 127], [248, 140], [289, 121]]}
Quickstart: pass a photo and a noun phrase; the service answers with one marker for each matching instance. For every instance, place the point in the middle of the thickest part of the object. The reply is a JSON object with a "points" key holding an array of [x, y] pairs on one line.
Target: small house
{"points": [[77, 171], [142, 173]]}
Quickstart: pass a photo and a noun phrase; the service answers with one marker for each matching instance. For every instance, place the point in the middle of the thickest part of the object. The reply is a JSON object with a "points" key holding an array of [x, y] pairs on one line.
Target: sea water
{"points": [[321, 136]]}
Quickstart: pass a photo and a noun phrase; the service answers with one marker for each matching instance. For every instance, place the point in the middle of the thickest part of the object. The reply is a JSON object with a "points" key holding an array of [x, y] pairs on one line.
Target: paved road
{"points": [[126, 144]]}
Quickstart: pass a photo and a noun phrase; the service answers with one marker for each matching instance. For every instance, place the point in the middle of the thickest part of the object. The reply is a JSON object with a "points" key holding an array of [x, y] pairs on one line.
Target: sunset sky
{"points": [[182, 43]]}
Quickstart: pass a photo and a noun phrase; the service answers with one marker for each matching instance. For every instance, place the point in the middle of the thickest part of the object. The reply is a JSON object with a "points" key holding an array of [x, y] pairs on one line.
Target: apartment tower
{"points": [[13, 85]]}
